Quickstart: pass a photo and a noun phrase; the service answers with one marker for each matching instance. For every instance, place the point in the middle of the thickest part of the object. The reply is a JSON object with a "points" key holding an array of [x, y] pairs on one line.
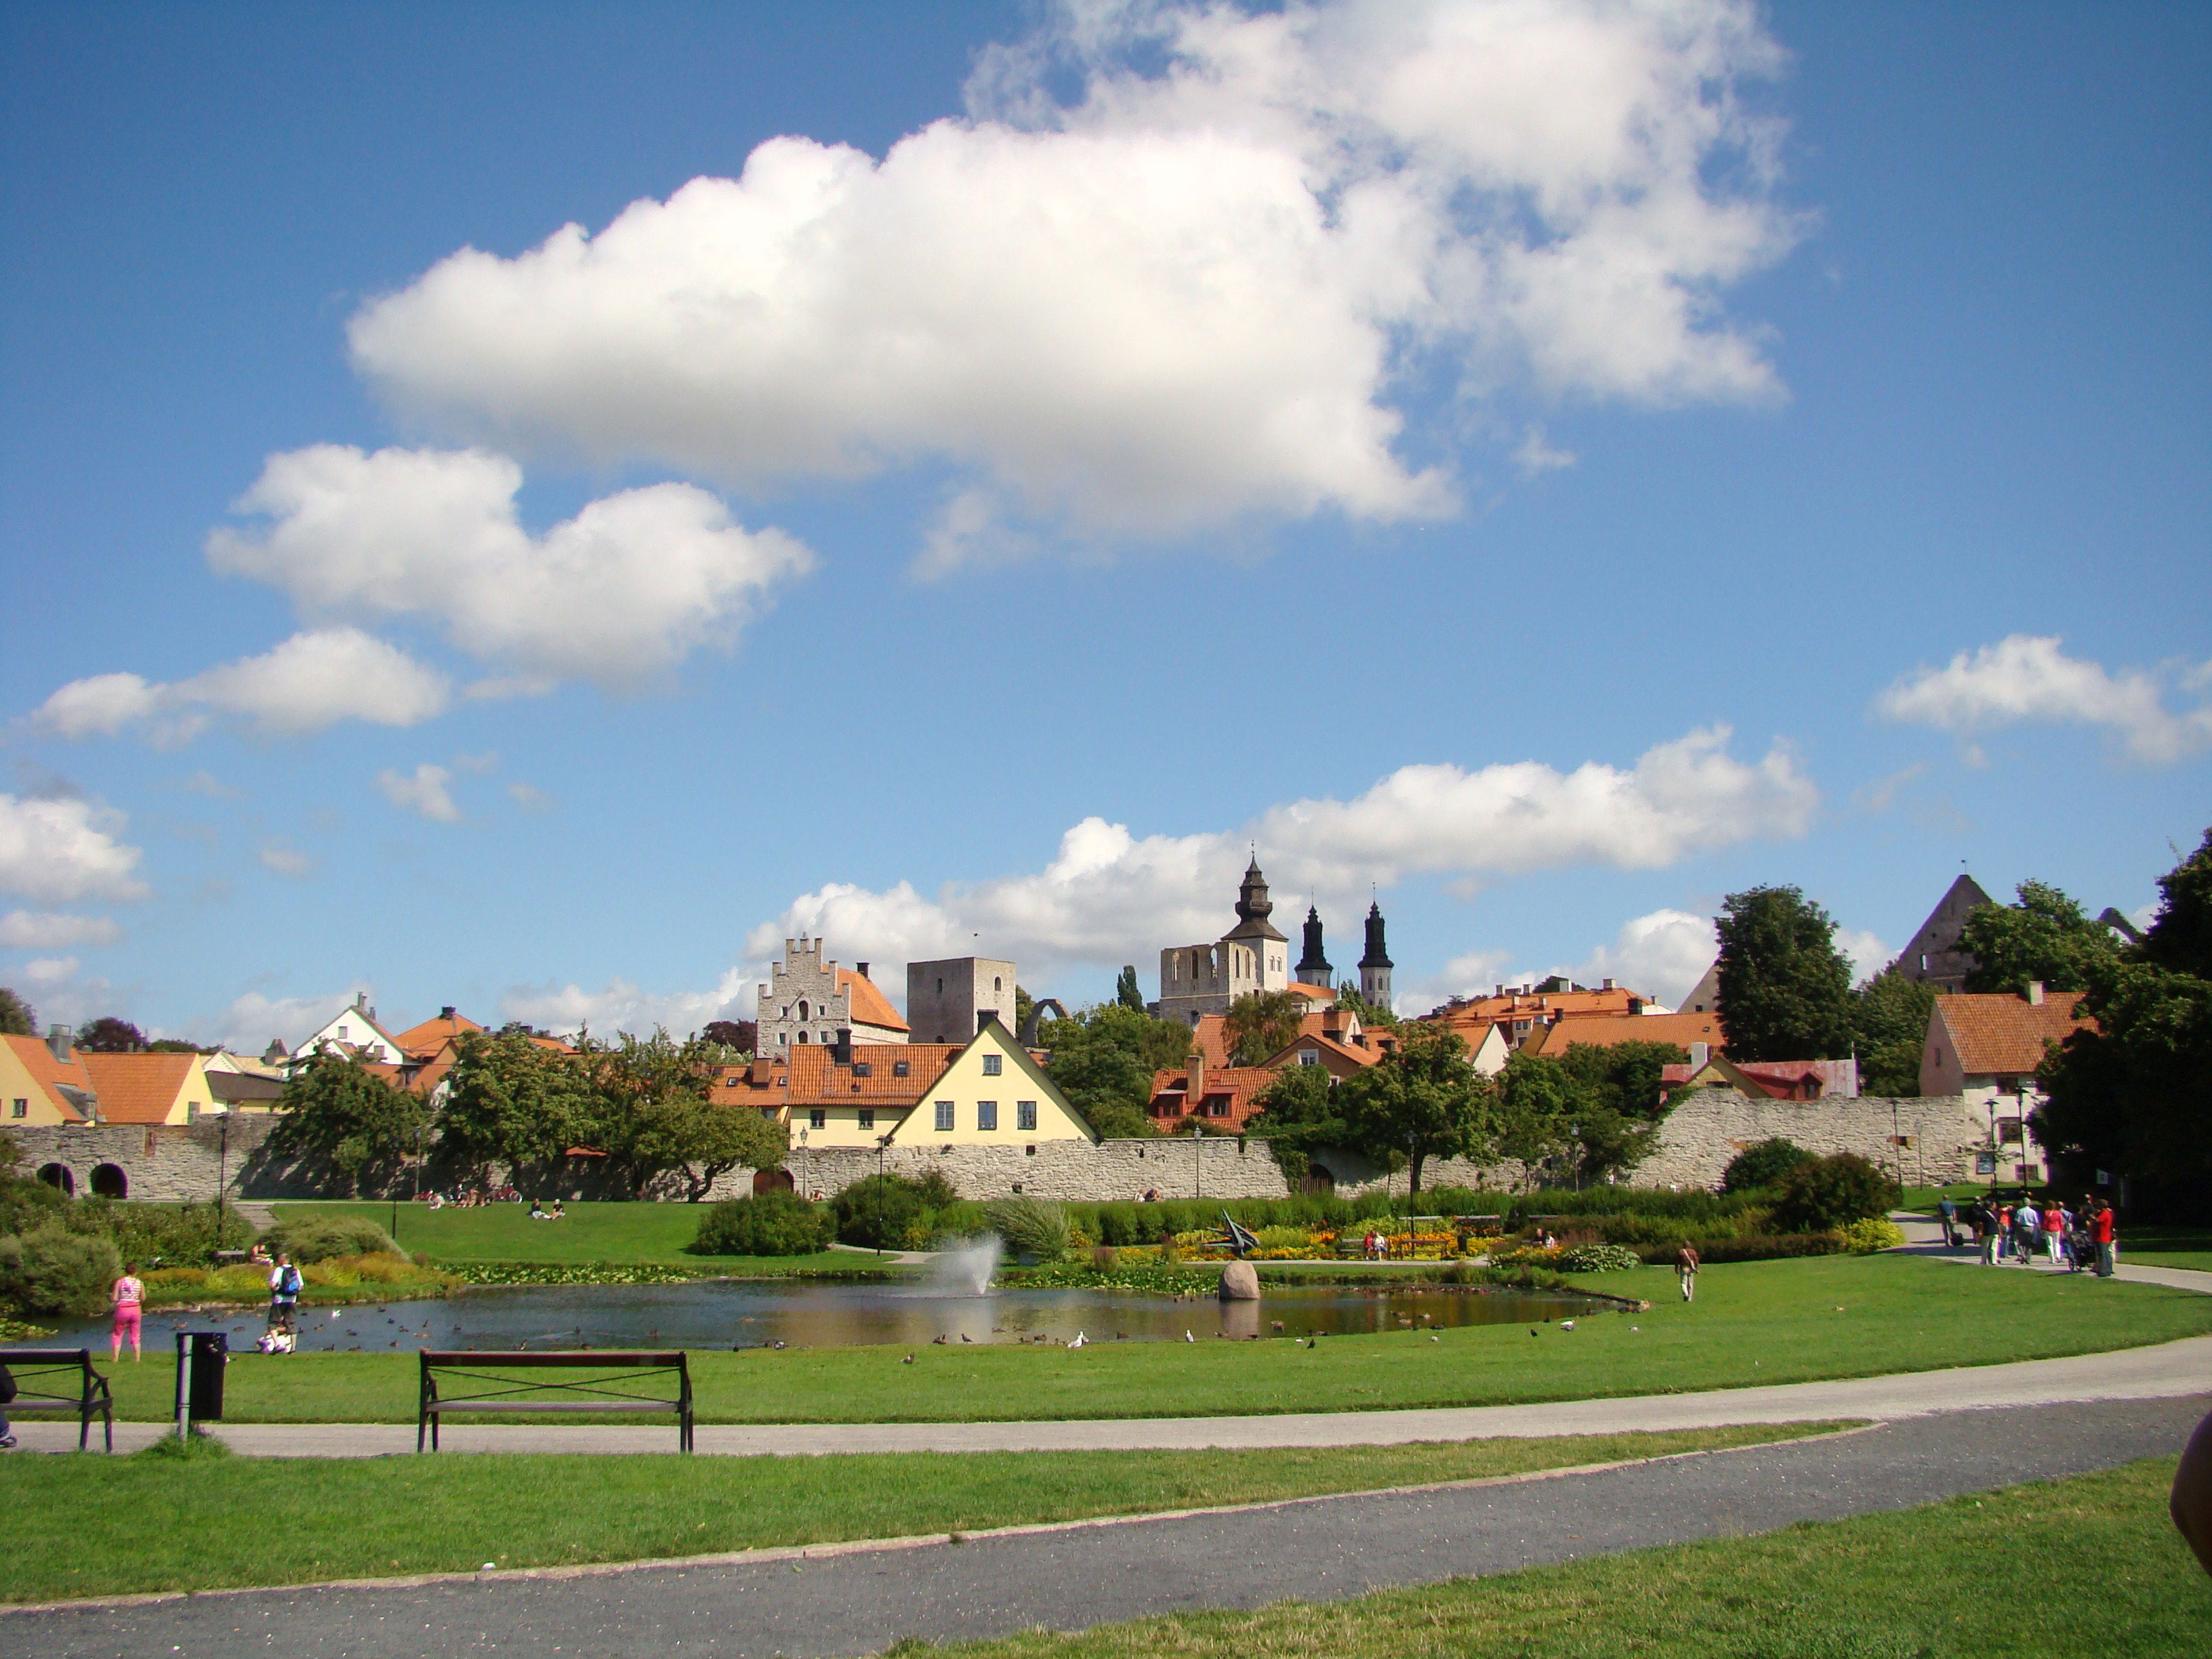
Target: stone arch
{"points": [[59, 1176], [1029, 1032], [108, 1181], [771, 1181], [1318, 1181]]}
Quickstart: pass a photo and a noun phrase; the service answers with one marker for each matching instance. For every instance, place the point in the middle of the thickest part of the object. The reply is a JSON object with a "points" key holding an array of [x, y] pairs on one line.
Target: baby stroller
{"points": [[2081, 1251]]}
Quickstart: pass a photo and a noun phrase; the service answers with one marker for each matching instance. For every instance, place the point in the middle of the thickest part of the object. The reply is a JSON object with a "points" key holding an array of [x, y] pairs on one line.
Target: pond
{"points": [[734, 1313]]}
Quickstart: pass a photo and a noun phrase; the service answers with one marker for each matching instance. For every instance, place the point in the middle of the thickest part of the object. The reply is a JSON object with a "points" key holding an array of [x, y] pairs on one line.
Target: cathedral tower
{"points": [[1313, 966], [1375, 965]]}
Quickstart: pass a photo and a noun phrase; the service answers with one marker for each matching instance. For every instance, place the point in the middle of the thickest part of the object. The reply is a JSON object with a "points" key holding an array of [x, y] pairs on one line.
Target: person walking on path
{"points": [[283, 1293], [2102, 1230], [1949, 1212], [1985, 1225], [128, 1297], [1685, 1266], [2026, 1221], [2054, 1230]]}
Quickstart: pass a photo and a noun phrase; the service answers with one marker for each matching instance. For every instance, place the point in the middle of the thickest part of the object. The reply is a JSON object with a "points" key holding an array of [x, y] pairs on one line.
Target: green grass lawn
{"points": [[1753, 1322], [95, 1526], [588, 1233], [2167, 1246], [2086, 1565]]}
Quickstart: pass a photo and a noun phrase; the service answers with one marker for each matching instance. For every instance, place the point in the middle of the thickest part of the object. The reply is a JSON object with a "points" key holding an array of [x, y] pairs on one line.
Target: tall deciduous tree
{"points": [[1260, 1024], [110, 1035], [17, 1017], [1420, 1101], [1103, 1058], [1889, 1025], [651, 1113], [1126, 993], [509, 1100], [2044, 936], [2180, 937], [1785, 989], [337, 1111]]}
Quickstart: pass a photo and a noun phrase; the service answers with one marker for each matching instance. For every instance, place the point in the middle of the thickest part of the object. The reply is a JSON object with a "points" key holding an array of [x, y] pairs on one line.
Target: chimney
{"points": [[2035, 993], [840, 1052], [1608, 985], [1699, 1053], [446, 1013], [862, 969], [1195, 1090], [57, 1043]]}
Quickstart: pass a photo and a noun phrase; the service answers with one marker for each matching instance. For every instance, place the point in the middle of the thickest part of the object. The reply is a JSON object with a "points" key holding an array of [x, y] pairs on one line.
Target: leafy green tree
{"points": [[1833, 1191], [651, 1113], [1762, 1163], [509, 1100], [2045, 936], [1261, 1023], [109, 1035], [1785, 990], [1889, 1027], [1126, 993], [2180, 937], [1421, 1100], [1348, 998], [335, 1110], [1620, 1103], [1299, 1115], [1103, 1057], [2135, 1094], [17, 1017], [1116, 1119], [1024, 1007], [175, 1046], [1537, 1099]]}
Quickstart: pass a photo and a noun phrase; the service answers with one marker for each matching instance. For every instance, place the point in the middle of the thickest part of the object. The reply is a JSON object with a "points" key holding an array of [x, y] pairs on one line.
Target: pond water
{"points": [[727, 1314]]}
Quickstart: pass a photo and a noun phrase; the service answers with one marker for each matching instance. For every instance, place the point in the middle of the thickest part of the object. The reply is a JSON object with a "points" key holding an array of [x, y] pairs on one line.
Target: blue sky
{"points": [[1406, 438]]}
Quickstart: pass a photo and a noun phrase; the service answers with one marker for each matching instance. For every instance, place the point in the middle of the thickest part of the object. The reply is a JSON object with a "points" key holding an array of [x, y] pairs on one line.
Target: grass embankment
{"points": [[96, 1526], [1753, 1322], [591, 1236], [2168, 1246], [2089, 1565]]}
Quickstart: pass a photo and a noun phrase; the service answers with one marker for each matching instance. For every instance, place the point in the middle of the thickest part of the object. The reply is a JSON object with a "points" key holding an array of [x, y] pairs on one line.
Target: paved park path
{"points": [[850, 1601]]}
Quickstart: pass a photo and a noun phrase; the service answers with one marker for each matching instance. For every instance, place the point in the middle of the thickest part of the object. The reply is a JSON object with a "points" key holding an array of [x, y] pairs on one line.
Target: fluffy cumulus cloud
{"points": [[1109, 896], [247, 1025], [422, 792], [56, 850], [618, 594], [2026, 678], [1189, 290], [35, 930], [620, 1005], [312, 681]]}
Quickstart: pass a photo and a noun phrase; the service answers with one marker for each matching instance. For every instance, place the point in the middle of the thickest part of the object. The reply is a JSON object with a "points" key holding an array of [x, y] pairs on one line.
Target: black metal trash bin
{"points": [[203, 1355]]}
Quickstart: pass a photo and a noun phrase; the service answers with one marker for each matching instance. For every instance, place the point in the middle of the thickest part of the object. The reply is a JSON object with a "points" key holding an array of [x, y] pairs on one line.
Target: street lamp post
{"points": [[1197, 1167], [222, 1167], [882, 1144], [1410, 1142]]}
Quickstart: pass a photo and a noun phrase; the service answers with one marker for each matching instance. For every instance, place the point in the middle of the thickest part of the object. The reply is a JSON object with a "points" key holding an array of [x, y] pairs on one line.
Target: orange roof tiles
{"points": [[54, 1076], [2003, 1033], [1235, 1089], [1603, 1030], [424, 1039], [138, 1088], [809, 1076], [869, 1005]]}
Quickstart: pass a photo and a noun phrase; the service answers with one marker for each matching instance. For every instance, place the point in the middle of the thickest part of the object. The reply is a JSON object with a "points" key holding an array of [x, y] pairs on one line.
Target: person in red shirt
{"points": [[2102, 1230], [2054, 1230]]}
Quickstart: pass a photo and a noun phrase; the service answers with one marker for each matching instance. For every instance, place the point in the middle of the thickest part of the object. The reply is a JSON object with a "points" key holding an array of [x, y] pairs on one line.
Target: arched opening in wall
{"points": [[1317, 1182], [108, 1181], [771, 1181], [57, 1176]]}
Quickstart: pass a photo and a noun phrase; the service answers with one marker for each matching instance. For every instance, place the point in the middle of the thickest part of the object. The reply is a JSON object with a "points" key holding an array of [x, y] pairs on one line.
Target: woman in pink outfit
{"points": [[129, 1296]]}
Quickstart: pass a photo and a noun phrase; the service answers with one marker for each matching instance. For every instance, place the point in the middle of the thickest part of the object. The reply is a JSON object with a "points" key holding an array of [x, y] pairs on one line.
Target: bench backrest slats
{"points": [[571, 1357]]}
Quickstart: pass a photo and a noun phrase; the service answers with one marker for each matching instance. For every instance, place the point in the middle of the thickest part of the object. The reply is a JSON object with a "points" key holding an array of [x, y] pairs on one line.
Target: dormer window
{"points": [[900, 1068], [864, 1068]]}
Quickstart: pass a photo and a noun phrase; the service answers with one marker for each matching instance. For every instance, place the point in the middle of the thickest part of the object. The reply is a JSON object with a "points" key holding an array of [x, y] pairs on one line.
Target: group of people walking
{"points": [[2083, 1237]]}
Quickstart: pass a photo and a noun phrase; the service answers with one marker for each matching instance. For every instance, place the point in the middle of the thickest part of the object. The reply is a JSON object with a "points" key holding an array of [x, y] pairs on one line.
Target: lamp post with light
{"points": [[221, 1114], [1197, 1167], [882, 1145]]}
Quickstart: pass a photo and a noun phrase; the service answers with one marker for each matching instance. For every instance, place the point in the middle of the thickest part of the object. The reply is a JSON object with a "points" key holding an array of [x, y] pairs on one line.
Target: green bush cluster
{"points": [[1599, 1259], [884, 1212], [1826, 1193], [768, 1224], [318, 1238], [1029, 1227], [54, 1270], [1762, 1165], [172, 1235], [1752, 1247], [1873, 1233]]}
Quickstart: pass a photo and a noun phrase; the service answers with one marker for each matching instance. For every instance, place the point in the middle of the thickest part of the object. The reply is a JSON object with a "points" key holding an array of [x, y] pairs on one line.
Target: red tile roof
{"points": [[1234, 1089], [809, 1076], [426, 1039], [1603, 1030], [138, 1088], [53, 1075], [2005, 1034], [870, 1005]]}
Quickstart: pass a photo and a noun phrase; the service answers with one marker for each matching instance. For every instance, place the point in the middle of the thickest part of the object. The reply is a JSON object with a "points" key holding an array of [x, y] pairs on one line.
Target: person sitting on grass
{"points": [[128, 1297], [537, 1212], [559, 1212]]}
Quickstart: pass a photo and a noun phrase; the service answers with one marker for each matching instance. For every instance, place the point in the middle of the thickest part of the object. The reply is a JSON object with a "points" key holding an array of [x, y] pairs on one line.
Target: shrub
{"points": [[55, 1271], [1757, 1247], [1874, 1233], [177, 1236], [1599, 1259], [879, 1210], [1762, 1165], [318, 1238], [1030, 1226], [1827, 1192], [768, 1223]]}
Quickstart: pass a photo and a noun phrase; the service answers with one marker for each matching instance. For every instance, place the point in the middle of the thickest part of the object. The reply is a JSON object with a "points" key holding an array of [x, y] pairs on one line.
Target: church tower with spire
{"points": [[1375, 965], [1313, 966], [1197, 980]]}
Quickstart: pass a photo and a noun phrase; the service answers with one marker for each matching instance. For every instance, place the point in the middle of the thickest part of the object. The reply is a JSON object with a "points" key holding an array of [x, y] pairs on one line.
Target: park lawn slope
{"points": [[95, 1526], [2084, 1566], [591, 1234], [1753, 1323]]}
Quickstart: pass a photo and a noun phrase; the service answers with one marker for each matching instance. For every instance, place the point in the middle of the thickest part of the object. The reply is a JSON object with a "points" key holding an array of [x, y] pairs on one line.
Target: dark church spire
{"points": [[1313, 966], [1375, 966]]}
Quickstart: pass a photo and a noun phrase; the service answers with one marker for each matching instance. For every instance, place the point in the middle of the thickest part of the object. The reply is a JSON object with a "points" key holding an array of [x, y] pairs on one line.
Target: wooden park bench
{"points": [[42, 1390], [441, 1371]]}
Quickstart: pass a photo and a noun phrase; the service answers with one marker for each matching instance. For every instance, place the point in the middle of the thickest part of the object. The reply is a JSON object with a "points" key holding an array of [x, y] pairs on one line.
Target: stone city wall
{"points": [[168, 1164], [1709, 1128]]}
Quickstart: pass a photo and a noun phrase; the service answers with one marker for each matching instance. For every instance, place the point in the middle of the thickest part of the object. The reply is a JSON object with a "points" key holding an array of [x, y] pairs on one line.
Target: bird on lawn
{"points": [[909, 1360], [1188, 1337], [964, 1337]]}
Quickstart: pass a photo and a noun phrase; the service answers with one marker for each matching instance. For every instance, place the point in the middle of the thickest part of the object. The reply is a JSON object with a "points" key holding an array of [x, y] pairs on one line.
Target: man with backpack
{"points": [[283, 1293]]}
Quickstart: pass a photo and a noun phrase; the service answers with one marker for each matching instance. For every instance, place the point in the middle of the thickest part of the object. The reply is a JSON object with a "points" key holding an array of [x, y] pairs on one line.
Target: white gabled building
{"points": [[354, 1031]]}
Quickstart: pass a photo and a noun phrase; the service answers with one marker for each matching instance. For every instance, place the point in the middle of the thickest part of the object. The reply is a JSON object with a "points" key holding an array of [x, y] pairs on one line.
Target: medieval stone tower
{"points": [[1375, 965]]}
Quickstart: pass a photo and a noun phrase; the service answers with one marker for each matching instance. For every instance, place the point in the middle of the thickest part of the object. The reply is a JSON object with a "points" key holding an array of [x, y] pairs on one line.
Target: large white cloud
{"points": [[35, 930], [1109, 896], [310, 681], [621, 1005], [1178, 296], [618, 594], [54, 850], [2029, 679]]}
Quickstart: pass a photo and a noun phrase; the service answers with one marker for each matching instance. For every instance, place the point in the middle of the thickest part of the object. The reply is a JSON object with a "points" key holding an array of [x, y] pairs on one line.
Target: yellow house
{"points": [[149, 1088], [39, 1088], [993, 1093]]}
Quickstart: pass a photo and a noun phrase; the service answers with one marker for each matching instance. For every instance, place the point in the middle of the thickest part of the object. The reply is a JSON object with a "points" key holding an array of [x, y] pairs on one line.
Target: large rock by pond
{"points": [[1240, 1282]]}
